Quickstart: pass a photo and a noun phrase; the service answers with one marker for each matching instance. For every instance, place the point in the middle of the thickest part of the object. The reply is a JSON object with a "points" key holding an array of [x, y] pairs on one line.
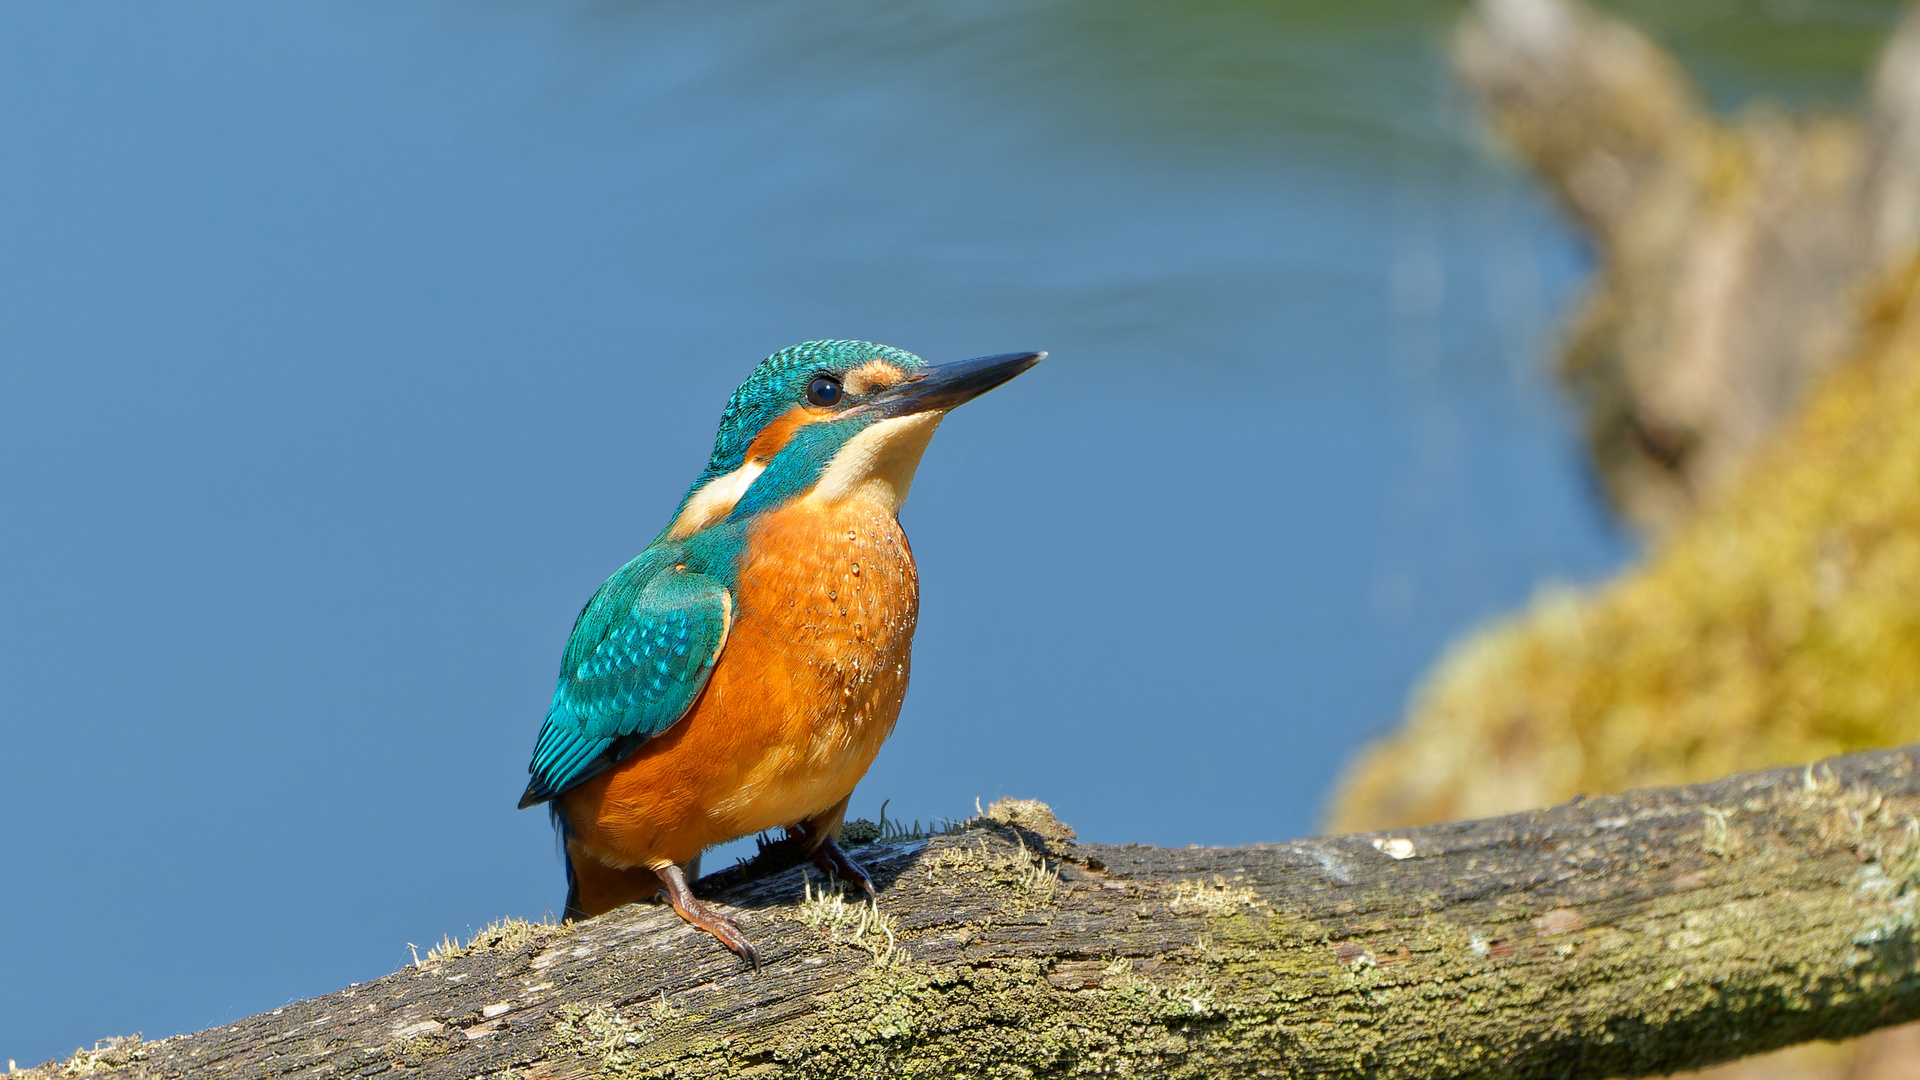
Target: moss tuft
{"points": [[1032, 815], [858, 831], [501, 935], [108, 1056]]}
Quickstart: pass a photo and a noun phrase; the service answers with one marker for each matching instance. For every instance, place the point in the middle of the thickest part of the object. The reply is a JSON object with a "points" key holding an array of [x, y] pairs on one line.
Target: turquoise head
{"points": [[831, 420]]}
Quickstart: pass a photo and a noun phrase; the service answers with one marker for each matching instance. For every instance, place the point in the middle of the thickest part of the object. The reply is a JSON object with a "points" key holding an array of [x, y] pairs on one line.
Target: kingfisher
{"points": [[740, 674]]}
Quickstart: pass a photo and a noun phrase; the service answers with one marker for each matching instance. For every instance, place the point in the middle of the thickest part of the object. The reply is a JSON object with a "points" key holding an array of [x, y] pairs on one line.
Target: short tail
{"points": [[594, 888], [572, 910]]}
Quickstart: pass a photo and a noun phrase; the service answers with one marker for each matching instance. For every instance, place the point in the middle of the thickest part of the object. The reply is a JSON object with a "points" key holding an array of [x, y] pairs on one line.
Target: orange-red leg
{"points": [[704, 917]]}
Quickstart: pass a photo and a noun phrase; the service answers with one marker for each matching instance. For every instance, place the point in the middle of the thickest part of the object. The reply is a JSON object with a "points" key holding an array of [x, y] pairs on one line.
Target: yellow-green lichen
{"points": [[861, 924], [655, 1040], [1004, 1020], [1216, 897], [1028, 877]]}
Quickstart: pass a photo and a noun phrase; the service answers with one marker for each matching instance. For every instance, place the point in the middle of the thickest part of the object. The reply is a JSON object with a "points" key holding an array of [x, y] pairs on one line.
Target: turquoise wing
{"points": [[640, 653]]}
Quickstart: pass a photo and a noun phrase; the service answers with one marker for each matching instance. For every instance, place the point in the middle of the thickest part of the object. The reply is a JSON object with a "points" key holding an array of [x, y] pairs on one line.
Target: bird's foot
{"points": [[680, 895], [831, 859]]}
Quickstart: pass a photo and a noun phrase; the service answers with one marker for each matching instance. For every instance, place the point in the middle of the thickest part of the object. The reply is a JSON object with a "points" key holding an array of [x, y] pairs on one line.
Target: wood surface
{"points": [[1619, 936]]}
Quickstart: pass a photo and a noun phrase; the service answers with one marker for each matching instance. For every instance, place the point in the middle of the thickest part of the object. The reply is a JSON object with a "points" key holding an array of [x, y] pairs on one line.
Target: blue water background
{"points": [[345, 347]]}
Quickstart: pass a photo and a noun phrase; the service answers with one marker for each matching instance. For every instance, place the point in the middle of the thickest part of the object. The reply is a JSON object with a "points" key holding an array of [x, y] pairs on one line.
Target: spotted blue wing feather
{"points": [[640, 654]]}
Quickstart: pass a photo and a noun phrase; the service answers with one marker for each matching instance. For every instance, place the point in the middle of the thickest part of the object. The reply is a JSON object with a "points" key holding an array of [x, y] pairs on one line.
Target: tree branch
{"points": [[1733, 251], [1619, 936]]}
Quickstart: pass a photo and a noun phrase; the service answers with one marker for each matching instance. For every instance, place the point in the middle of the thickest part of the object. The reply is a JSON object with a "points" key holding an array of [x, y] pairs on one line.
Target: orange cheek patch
{"points": [[774, 437], [717, 499]]}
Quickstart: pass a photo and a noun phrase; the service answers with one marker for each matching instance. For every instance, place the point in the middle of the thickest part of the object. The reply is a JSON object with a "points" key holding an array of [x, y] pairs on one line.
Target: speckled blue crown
{"points": [[779, 381]]}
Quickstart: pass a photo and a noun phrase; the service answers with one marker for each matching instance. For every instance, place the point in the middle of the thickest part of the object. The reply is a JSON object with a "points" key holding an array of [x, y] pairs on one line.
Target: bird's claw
{"points": [[729, 934], [680, 895], [831, 859]]}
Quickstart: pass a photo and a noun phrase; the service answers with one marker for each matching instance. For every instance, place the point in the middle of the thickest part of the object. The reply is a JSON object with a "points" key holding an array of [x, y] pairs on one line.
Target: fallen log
{"points": [[1608, 937]]}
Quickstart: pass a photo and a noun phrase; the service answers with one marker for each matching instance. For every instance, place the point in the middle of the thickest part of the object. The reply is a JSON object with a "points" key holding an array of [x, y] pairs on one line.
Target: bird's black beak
{"points": [[949, 385]]}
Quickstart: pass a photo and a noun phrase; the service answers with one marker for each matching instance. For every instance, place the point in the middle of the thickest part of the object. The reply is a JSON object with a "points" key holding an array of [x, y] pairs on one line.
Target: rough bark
{"points": [[1617, 936], [1732, 252]]}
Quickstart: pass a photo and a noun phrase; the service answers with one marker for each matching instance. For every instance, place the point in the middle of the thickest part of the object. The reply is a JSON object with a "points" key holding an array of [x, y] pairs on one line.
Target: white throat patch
{"points": [[878, 464]]}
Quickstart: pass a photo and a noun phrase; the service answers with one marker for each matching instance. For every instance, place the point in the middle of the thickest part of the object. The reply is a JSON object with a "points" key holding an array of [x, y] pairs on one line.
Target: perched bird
{"points": [[740, 674]]}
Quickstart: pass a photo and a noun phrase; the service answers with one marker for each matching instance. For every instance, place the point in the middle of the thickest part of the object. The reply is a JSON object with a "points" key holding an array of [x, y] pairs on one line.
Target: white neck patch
{"points": [[712, 503]]}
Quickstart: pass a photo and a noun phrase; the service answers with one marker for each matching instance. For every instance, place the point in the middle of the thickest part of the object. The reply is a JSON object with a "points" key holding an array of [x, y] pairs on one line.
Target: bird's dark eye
{"points": [[824, 390]]}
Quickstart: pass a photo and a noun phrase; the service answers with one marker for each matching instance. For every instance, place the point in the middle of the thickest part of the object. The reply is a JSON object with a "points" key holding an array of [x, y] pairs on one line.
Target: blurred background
{"points": [[345, 348]]}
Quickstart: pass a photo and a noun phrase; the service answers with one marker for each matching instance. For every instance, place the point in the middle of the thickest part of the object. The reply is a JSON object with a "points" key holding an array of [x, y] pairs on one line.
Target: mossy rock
{"points": [[1780, 625]]}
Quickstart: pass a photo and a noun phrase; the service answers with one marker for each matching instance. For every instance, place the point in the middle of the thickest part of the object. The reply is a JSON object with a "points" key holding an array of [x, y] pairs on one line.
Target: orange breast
{"points": [[807, 688]]}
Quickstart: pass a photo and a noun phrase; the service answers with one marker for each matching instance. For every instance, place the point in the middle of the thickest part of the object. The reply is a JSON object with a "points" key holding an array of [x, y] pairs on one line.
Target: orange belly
{"points": [[807, 688]]}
